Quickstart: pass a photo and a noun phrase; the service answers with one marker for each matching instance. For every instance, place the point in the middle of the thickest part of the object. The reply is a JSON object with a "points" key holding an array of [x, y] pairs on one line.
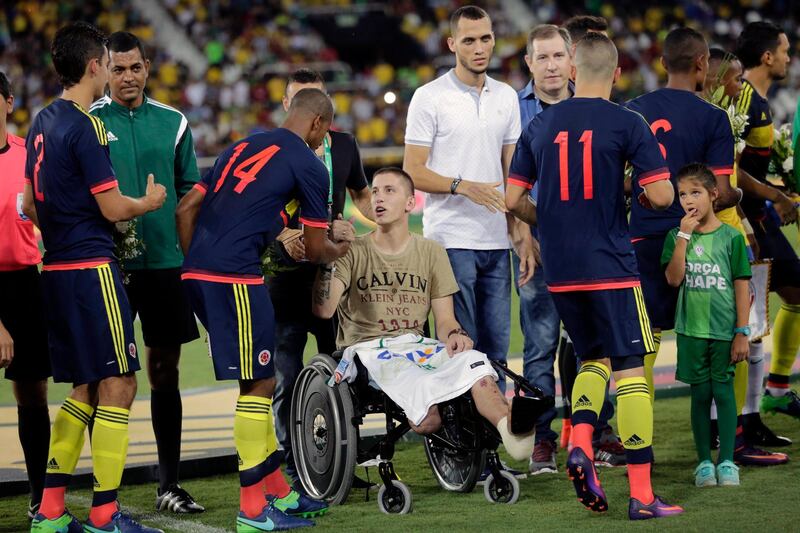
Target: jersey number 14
{"points": [[246, 176], [562, 140]]}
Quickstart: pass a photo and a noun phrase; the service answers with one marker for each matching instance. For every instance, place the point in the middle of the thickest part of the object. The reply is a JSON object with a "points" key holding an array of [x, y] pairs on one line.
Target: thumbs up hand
{"points": [[155, 194]]}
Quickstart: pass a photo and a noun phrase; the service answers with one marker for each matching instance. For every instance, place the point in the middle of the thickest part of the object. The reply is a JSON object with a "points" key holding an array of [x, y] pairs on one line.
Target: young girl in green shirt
{"points": [[708, 261]]}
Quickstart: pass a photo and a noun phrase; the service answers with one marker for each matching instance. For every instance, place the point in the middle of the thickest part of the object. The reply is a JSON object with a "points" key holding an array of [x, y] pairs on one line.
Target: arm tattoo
{"points": [[323, 289]]}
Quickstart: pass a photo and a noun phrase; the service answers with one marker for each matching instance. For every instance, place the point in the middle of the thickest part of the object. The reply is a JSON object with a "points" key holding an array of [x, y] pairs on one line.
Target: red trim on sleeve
{"points": [[105, 185], [595, 285], [653, 178], [200, 187], [722, 171], [314, 223], [285, 218], [637, 239], [518, 181], [28, 180], [217, 277]]}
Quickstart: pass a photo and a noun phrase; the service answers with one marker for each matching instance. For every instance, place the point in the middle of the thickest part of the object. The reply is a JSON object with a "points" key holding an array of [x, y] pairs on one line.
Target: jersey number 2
{"points": [[255, 162], [562, 140], [38, 147]]}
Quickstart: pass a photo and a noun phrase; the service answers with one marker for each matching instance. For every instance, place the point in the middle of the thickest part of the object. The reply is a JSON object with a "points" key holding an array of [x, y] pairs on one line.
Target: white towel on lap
{"points": [[416, 372]]}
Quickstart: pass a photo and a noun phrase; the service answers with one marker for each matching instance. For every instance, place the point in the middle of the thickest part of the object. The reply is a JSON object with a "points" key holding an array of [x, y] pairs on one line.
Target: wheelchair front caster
{"points": [[502, 490], [396, 499]]}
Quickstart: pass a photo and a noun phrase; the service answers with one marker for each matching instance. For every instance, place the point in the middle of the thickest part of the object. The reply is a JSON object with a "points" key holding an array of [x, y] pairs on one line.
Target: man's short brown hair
{"points": [[547, 31], [398, 172], [596, 56], [466, 12]]}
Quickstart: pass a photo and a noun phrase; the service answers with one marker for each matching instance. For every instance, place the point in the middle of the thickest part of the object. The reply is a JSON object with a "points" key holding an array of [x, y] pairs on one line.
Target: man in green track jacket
{"points": [[148, 137]]}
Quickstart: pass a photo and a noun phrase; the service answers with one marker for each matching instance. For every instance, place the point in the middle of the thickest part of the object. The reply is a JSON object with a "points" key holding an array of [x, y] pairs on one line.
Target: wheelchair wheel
{"points": [[502, 490], [395, 499], [324, 438], [456, 471]]}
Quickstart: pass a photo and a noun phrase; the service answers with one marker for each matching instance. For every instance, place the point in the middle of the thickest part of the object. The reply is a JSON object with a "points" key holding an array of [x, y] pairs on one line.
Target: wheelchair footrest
{"points": [[525, 410]]}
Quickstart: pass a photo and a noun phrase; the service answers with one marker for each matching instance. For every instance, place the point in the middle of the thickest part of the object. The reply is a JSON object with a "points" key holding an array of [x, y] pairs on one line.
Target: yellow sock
{"points": [[109, 447], [635, 416], [740, 378], [67, 436], [272, 439], [250, 433], [649, 365], [589, 392], [785, 343]]}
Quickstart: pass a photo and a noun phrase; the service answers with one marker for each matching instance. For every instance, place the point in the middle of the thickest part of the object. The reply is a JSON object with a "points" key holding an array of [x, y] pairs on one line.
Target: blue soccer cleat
{"points": [[582, 472], [298, 504], [66, 523], [658, 509], [120, 523], [270, 519]]}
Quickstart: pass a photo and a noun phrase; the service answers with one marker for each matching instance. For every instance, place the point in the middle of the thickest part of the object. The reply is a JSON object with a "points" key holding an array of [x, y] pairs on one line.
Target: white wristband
{"points": [[683, 235]]}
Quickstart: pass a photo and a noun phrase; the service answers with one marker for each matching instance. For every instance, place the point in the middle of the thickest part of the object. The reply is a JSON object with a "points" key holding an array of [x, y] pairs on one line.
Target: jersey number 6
{"points": [[255, 162], [562, 140]]}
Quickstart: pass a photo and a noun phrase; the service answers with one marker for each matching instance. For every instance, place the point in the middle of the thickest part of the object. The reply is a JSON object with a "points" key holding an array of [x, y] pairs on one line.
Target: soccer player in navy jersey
{"points": [[688, 129], [577, 150], [225, 224], [73, 197]]}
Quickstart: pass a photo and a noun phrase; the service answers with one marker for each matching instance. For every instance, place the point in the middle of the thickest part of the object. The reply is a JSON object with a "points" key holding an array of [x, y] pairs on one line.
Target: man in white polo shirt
{"points": [[460, 137]]}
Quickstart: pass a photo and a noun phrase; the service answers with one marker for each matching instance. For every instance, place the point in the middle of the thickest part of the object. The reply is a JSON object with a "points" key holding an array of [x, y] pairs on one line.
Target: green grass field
{"points": [[547, 503]]}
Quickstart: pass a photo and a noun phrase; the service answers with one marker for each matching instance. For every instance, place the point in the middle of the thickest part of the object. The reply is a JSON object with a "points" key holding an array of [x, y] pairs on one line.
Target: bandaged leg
{"points": [[520, 447]]}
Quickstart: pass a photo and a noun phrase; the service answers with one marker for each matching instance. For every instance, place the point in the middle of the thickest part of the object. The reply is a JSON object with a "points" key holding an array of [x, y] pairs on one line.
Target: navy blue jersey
{"points": [[67, 164], [689, 130], [576, 150], [245, 196]]}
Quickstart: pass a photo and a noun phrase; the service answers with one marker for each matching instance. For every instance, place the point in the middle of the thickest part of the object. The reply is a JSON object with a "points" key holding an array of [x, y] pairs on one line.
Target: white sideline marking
{"points": [[159, 520]]}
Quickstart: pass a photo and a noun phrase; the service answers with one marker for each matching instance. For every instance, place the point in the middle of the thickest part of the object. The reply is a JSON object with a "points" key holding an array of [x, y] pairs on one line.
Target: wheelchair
{"points": [[327, 445]]}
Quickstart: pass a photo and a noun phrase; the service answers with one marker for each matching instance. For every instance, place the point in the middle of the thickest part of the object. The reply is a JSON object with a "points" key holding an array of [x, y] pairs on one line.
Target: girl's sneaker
{"points": [[704, 474], [728, 474]]}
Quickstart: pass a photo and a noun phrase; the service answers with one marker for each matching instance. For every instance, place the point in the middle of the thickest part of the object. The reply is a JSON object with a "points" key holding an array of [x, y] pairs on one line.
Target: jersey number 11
{"points": [[562, 140]]}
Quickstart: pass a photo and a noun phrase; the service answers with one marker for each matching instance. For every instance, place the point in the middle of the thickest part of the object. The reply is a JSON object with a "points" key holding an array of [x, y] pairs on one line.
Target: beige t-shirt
{"points": [[389, 295]]}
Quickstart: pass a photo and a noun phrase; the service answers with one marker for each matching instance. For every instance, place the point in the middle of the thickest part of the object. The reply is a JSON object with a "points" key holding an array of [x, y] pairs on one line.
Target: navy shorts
{"points": [[772, 244], [606, 323], [660, 299], [241, 327], [89, 324], [22, 314]]}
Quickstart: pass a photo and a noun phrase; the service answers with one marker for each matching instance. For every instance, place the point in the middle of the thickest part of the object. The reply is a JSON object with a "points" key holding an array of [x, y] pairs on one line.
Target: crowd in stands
{"points": [[250, 46]]}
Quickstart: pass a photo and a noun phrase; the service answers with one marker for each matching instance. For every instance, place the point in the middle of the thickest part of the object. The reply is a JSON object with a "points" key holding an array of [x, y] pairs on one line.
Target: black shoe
{"points": [[33, 509], [177, 500], [756, 433]]}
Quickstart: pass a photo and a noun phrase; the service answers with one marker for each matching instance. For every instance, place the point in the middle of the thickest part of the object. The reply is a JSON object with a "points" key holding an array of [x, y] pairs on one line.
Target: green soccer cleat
{"points": [[66, 523], [297, 504], [728, 474], [788, 404], [705, 475], [270, 519]]}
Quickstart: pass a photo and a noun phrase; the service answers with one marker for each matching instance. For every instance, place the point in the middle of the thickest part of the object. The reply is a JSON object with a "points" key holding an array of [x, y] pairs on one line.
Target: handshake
{"points": [[292, 239]]}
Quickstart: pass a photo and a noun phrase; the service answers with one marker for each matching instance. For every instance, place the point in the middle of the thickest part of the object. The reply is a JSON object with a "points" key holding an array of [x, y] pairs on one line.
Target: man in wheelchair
{"points": [[384, 288]]}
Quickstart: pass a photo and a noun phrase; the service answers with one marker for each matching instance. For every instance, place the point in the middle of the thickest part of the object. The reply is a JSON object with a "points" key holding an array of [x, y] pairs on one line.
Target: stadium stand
{"points": [[250, 46]]}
